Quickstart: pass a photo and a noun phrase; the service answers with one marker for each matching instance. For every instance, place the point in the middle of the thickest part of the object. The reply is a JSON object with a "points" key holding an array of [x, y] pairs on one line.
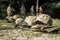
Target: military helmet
{"points": [[15, 17], [44, 18], [30, 20], [18, 21]]}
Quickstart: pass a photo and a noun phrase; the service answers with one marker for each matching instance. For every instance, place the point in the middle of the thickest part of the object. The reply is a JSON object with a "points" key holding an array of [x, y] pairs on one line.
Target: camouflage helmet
{"points": [[15, 17], [10, 19], [18, 21], [44, 18], [30, 20]]}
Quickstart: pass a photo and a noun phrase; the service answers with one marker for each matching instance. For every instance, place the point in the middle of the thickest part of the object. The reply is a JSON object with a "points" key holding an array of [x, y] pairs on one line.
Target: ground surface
{"points": [[6, 33], [17, 34]]}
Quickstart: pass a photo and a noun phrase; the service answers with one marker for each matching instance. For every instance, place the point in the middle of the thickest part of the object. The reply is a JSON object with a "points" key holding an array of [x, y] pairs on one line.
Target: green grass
{"points": [[56, 22], [4, 24]]}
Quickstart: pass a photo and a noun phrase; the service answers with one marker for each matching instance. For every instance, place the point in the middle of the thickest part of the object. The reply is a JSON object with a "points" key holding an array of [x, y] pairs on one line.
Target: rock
{"points": [[44, 18], [53, 29], [36, 27], [30, 20], [40, 27], [9, 19], [15, 17], [18, 21]]}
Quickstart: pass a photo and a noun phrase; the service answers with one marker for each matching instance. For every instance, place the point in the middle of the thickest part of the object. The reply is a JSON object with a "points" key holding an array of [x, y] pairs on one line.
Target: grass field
{"points": [[15, 34], [56, 22], [3, 23]]}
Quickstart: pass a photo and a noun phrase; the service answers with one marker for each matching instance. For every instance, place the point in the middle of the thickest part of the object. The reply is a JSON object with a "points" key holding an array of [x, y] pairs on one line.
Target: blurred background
{"points": [[51, 7]]}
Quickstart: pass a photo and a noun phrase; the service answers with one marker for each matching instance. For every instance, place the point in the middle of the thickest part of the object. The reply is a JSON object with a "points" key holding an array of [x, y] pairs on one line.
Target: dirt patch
{"points": [[18, 34]]}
